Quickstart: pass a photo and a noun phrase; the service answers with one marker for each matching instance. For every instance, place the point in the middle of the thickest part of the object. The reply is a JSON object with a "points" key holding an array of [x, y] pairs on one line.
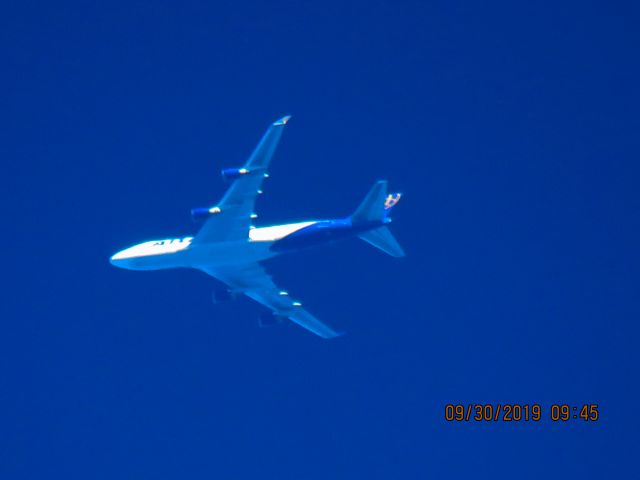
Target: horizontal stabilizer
{"points": [[383, 239]]}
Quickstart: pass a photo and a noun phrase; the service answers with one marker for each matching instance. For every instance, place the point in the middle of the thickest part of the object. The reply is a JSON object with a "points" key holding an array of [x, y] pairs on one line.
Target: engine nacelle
{"points": [[233, 173], [201, 213]]}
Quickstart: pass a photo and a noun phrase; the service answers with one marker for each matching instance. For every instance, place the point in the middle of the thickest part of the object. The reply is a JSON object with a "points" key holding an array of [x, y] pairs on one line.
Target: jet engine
{"points": [[233, 173], [202, 213]]}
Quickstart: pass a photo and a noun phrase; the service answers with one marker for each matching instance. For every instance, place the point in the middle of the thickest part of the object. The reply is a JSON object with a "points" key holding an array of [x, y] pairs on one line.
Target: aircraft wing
{"points": [[236, 208], [252, 280]]}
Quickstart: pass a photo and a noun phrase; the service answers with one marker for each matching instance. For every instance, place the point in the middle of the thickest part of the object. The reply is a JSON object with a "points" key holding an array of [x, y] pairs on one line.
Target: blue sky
{"points": [[512, 131]]}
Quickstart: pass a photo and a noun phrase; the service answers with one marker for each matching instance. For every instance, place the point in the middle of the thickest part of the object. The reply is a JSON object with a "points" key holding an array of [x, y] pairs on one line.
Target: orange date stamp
{"points": [[520, 412]]}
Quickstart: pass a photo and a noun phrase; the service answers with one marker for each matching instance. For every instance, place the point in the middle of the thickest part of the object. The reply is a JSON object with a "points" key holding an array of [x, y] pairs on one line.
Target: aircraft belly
{"points": [[321, 232], [235, 253]]}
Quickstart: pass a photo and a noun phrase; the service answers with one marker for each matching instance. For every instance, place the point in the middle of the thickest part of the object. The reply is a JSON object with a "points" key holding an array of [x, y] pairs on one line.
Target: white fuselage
{"points": [[179, 252]]}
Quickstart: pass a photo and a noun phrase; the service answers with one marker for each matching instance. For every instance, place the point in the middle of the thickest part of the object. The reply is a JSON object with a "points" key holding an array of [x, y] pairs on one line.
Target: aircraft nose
{"points": [[118, 259]]}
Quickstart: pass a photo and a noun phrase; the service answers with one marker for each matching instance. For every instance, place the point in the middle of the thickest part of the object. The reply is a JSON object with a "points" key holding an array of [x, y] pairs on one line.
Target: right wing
{"points": [[252, 280], [237, 206]]}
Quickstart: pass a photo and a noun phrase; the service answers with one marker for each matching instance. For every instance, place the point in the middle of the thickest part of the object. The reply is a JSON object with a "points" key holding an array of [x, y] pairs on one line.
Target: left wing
{"points": [[252, 280], [235, 210]]}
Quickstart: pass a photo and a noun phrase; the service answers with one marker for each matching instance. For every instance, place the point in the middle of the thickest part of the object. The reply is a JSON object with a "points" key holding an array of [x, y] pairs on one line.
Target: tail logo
{"points": [[391, 200]]}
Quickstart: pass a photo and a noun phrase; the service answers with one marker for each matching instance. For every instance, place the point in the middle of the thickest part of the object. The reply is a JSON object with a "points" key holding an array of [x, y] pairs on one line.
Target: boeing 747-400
{"points": [[229, 248]]}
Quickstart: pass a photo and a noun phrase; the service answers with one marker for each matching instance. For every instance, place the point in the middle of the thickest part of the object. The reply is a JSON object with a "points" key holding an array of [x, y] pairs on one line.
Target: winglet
{"points": [[282, 121]]}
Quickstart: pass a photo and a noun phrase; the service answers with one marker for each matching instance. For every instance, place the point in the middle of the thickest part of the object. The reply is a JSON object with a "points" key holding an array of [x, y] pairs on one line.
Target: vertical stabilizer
{"points": [[372, 207], [376, 207]]}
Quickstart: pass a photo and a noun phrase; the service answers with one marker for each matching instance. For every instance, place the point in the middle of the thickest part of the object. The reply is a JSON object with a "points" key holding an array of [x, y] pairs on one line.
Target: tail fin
{"points": [[376, 206], [372, 207], [383, 239]]}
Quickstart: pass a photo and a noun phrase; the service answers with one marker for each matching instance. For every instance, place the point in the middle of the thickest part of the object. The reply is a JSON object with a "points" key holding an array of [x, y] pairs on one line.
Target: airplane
{"points": [[230, 248]]}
